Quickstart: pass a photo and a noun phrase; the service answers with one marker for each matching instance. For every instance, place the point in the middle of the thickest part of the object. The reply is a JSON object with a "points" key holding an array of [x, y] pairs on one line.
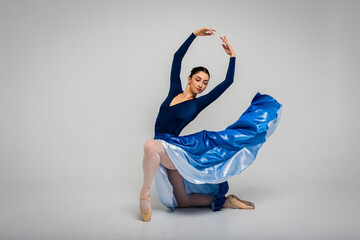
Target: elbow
{"points": [[176, 56], [231, 80], [177, 53]]}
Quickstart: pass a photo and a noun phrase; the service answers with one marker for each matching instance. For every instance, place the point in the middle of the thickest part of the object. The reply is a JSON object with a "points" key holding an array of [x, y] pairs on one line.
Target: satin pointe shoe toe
{"points": [[145, 213], [233, 201]]}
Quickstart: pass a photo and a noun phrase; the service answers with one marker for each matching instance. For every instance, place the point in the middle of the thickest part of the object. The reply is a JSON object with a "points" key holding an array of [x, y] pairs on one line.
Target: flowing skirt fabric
{"points": [[207, 159]]}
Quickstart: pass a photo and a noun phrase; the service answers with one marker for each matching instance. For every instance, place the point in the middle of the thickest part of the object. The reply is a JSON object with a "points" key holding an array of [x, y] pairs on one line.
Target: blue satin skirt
{"points": [[207, 159]]}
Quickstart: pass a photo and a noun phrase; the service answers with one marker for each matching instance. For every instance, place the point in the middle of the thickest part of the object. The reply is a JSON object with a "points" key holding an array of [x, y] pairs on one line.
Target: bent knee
{"points": [[151, 145]]}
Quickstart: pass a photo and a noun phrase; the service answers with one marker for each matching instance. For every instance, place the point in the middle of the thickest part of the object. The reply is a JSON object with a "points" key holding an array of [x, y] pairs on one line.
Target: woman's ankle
{"points": [[145, 192], [145, 189]]}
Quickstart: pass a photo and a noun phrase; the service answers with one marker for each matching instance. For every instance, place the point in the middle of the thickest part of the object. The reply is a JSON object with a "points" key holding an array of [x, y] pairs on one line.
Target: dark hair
{"points": [[199, 69]]}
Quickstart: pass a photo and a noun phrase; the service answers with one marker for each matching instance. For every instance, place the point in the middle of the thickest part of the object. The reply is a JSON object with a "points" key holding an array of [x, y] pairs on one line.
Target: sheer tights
{"points": [[154, 154]]}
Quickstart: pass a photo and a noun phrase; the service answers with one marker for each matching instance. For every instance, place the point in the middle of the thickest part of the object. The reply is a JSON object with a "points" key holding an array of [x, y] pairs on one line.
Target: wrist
{"points": [[195, 33]]}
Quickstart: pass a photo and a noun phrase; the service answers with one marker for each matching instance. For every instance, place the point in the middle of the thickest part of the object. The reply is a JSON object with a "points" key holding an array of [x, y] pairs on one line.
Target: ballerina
{"points": [[191, 170]]}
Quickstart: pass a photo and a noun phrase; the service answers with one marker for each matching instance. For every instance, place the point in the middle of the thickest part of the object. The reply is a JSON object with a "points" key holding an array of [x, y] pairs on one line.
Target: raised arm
{"points": [[175, 82], [203, 101]]}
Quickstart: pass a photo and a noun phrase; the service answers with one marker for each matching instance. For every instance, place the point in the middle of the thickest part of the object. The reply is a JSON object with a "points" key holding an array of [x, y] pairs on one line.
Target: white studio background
{"points": [[81, 83]]}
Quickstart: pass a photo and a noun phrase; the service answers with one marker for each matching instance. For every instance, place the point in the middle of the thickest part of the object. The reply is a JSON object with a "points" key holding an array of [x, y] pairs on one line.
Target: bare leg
{"points": [[183, 199]]}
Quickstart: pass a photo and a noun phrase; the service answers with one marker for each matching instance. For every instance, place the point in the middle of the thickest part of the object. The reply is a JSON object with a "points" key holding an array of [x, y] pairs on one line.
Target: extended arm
{"points": [[203, 101], [175, 82]]}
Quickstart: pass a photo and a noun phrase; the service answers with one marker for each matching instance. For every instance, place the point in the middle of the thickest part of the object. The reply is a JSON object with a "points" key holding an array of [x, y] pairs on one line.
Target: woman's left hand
{"points": [[227, 47]]}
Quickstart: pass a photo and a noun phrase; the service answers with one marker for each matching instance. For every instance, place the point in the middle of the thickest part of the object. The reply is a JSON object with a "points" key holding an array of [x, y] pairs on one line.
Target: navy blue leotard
{"points": [[172, 119]]}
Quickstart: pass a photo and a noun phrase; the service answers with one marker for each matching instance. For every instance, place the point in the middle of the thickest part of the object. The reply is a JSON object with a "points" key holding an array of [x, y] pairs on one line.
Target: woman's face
{"points": [[198, 82]]}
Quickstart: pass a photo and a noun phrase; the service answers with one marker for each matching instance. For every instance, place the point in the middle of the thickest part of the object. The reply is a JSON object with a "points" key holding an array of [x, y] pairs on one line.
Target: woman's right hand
{"points": [[204, 31]]}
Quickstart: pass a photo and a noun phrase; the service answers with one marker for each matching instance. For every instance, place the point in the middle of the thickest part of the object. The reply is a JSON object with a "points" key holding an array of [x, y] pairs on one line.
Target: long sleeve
{"points": [[175, 82], [203, 101]]}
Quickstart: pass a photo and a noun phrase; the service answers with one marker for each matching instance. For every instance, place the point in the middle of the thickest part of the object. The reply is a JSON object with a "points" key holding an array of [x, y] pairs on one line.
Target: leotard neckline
{"points": [[179, 102]]}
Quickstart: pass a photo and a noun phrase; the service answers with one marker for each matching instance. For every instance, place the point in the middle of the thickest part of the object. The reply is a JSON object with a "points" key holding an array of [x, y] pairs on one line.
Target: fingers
{"points": [[224, 40], [226, 49], [211, 30]]}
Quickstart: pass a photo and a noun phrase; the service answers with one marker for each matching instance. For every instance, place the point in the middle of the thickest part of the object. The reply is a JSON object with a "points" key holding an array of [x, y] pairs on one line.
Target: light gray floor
{"points": [[109, 210]]}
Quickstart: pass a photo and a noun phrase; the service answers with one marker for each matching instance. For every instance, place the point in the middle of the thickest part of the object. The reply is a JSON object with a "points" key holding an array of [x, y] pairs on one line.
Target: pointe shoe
{"points": [[233, 201], [145, 195]]}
